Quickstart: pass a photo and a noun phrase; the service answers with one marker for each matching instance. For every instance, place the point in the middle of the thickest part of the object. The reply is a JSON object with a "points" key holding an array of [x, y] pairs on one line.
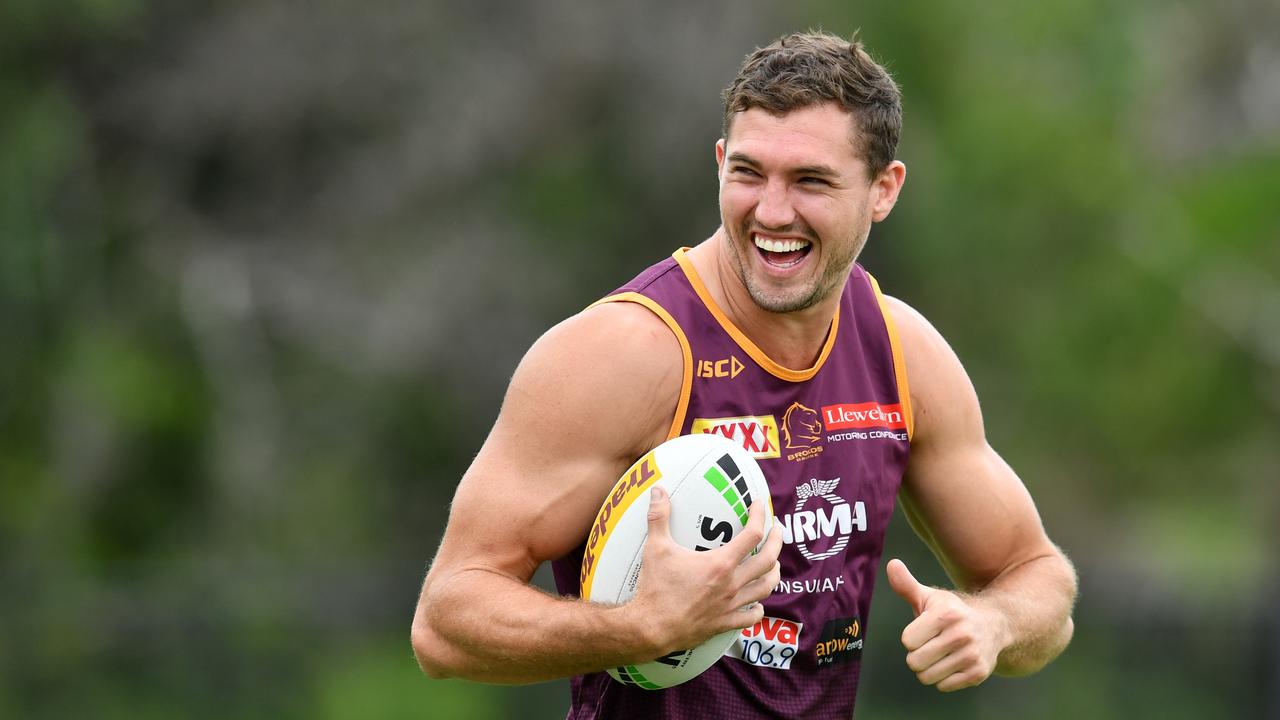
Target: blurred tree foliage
{"points": [[265, 269]]}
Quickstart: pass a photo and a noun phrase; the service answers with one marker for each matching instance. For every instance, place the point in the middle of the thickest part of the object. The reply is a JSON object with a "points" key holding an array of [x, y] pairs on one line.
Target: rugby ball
{"points": [[711, 482]]}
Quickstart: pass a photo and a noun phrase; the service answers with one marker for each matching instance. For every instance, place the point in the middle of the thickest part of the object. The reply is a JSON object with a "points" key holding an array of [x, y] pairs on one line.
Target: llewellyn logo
{"points": [[863, 415], [802, 432], [837, 520]]}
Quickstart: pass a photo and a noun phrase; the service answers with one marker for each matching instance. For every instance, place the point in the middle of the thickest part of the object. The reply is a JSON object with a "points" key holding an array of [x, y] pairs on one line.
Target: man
{"points": [[768, 318]]}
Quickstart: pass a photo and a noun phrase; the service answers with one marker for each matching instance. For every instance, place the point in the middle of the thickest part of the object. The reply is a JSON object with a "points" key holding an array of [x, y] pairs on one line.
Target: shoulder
{"points": [[919, 337], [615, 368], [942, 396], [607, 340]]}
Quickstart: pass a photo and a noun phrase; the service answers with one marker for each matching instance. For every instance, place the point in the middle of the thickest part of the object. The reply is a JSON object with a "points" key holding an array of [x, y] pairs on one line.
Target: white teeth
{"points": [[779, 246]]}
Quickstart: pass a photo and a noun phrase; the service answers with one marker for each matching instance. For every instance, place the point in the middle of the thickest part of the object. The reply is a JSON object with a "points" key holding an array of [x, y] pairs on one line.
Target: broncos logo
{"points": [[801, 427]]}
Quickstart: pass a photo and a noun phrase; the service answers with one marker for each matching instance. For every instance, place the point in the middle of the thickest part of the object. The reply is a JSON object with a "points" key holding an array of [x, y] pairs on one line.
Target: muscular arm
{"points": [[1012, 614], [593, 394]]}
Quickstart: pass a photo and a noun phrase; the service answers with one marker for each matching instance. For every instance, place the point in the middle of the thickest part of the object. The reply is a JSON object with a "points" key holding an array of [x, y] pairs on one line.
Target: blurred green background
{"points": [[265, 268]]}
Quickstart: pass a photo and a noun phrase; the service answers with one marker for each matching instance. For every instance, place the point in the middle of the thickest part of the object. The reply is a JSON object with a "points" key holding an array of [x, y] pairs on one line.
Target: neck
{"points": [[793, 339]]}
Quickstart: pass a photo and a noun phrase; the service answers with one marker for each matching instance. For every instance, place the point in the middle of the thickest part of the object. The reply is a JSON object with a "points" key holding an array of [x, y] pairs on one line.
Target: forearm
{"points": [[1034, 602], [482, 625]]}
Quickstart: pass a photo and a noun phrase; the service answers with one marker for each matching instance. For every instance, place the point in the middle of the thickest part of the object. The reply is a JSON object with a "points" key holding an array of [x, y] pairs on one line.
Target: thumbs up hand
{"points": [[955, 640]]}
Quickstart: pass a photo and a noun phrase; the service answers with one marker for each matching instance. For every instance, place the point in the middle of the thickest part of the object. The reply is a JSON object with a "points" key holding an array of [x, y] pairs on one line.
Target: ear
{"points": [[719, 156], [885, 189]]}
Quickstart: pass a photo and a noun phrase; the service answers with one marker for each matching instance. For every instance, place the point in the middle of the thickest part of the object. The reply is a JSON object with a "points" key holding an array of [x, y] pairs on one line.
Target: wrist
{"points": [[643, 639], [997, 620]]}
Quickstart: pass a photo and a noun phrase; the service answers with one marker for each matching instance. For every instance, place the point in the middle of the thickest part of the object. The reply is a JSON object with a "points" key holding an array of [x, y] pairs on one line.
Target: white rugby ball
{"points": [[711, 482]]}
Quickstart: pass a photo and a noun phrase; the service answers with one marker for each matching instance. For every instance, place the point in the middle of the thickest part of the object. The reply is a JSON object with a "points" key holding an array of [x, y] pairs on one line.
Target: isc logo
{"points": [[726, 368], [758, 434]]}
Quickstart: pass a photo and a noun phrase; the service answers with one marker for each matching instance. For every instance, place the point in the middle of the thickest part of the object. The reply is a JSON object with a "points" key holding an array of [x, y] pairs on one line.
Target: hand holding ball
{"points": [[709, 484]]}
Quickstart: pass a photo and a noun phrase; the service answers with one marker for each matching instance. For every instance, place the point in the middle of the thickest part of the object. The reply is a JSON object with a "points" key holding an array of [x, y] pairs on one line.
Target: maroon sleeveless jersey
{"points": [[832, 441]]}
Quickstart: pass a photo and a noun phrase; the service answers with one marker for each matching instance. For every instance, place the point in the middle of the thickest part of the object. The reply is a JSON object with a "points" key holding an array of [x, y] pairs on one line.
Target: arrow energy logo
{"points": [[840, 641]]}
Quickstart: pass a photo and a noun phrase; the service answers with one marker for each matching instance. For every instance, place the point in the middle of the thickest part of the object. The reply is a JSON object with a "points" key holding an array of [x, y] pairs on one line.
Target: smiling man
{"points": [[770, 334]]}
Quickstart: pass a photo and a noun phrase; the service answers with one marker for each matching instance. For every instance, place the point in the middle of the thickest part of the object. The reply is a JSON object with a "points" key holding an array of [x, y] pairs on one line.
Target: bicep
{"points": [[960, 496], [567, 429], [974, 512]]}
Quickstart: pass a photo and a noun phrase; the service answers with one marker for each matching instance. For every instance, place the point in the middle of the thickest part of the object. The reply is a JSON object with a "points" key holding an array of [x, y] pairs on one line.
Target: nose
{"points": [[774, 210]]}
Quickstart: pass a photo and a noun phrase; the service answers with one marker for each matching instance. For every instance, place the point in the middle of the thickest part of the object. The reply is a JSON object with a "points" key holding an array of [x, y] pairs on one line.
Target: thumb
{"points": [[659, 512], [906, 585]]}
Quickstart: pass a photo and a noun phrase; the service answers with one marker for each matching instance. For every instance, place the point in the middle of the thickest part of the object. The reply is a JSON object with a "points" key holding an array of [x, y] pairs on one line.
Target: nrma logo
{"points": [[822, 521]]}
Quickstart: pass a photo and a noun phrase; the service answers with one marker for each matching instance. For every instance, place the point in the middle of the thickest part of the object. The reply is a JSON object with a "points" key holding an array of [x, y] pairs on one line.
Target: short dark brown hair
{"points": [[804, 69]]}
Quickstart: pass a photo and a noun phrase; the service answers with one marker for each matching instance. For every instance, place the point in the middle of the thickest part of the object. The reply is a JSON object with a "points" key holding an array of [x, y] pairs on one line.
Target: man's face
{"points": [[796, 203]]}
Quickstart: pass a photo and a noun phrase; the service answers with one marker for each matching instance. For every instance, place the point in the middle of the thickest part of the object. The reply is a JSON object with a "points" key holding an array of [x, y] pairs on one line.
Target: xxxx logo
{"points": [[758, 434]]}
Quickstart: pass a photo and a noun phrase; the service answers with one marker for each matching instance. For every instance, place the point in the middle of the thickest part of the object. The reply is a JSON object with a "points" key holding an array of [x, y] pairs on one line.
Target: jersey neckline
{"points": [[750, 348]]}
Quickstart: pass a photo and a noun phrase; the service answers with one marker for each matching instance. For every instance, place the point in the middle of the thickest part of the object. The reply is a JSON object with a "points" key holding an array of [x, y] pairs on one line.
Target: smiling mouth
{"points": [[781, 253]]}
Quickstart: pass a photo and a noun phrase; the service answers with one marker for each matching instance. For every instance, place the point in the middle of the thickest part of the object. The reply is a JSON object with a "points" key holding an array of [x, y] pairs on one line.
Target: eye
{"points": [[809, 180], [743, 170]]}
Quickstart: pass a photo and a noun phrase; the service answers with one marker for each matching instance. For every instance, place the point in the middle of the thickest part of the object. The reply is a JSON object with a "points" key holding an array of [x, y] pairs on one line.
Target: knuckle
{"points": [[774, 578], [952, 683], [721, 566], [772, 550]]}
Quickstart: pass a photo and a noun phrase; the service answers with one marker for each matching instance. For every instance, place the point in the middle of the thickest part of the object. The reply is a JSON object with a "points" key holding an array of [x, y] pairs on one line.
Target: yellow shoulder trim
{"points": [[743, 341], [899, 365], [686, 381]]}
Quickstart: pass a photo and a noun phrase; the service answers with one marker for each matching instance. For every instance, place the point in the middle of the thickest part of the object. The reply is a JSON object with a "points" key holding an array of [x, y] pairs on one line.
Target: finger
{"points": [[773, 543], [935, 651], [946, 666], [762, 562], [960, 681], [751, 535], [746, 616], [922, 630], [760, 588], [906, 585], [659, 512]]}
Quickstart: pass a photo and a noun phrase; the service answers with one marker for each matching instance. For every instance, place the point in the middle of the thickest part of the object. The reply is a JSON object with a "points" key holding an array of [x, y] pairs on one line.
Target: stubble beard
{"points": [[834, 273]]}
